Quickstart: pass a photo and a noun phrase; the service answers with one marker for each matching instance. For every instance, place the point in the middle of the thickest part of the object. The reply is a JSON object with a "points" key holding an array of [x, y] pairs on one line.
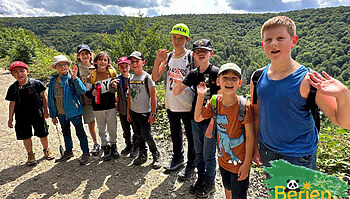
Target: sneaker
{"points": [[175, 164], [156, 160], [199, 185], [95, 150], [48, 155], [142, 158], [107, 156], [31, 159], [84, 159], [209, 188], [186, 173], [114, 151], [134, 152], [67, 155], [127, 150]]}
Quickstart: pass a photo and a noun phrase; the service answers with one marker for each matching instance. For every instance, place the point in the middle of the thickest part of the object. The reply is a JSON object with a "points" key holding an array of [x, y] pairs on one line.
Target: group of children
{"points": [[279, 126]]}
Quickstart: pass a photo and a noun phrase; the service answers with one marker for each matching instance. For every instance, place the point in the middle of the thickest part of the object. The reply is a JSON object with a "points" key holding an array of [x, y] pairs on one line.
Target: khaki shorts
{"points": [[88, 115]]}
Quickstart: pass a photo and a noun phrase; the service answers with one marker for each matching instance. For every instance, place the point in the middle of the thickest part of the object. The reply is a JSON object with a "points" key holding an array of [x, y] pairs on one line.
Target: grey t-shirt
{"points": [[140, 101]]}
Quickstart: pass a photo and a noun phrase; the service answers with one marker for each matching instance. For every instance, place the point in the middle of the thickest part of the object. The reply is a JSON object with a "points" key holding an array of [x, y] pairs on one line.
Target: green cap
{"points": [[181, 29]]}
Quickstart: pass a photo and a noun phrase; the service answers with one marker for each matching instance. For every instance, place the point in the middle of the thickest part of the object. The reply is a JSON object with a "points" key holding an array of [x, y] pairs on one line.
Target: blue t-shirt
{"points": [[286, 125]]}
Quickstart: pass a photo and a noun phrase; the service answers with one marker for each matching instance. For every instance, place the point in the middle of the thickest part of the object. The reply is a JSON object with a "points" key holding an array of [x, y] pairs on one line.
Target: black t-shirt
{"points": [[208, 77], [28, 105]]}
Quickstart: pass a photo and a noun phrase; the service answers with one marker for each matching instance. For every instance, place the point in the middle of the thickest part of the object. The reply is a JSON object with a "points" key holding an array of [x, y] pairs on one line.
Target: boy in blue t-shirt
{"points": [[284, 125]]}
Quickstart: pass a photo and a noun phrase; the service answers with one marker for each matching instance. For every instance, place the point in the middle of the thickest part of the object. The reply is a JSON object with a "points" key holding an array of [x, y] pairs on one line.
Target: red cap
{"points": [[123, 60], [18, 64]]}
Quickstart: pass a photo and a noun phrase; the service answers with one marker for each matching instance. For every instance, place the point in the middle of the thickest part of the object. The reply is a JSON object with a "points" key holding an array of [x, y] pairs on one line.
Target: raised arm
{"points": [[178, 78], [201, 91], [159, 64]]}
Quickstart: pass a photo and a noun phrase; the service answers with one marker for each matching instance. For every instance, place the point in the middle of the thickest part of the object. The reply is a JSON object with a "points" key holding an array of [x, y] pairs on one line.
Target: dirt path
{"points": [[114, 179]]}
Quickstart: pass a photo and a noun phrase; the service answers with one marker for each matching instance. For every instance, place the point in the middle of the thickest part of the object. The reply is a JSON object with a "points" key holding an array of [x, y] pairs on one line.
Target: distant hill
{"points": [[324, 35]]}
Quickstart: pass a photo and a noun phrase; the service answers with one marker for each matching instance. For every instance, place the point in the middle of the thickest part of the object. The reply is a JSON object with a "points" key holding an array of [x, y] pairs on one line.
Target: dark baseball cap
{"points": [[83, 47], [202, 43], [137, 55]]}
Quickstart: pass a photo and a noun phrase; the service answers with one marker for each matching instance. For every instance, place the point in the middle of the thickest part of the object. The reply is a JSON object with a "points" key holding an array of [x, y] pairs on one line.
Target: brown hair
{"points": [[279, 21], [91, 57], [99, 56]]}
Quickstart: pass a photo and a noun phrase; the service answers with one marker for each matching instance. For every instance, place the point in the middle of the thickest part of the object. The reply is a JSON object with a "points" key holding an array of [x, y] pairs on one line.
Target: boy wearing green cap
{"points": [[178, 107]]}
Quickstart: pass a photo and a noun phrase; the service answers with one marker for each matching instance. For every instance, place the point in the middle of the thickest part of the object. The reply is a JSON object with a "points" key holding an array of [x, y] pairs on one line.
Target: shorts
{"points": [[88, 115], [23, 128], [239, 189]]}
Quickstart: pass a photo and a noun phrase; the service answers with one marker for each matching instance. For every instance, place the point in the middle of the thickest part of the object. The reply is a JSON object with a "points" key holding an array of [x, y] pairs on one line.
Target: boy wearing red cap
{"points": [[22, 94], [121, 84]]}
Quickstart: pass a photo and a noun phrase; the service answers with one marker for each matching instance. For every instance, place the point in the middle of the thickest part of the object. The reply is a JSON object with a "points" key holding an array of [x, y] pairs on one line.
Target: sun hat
{"points": [[202, 43], [82, 47], [137, 55], [181, 29], [18, 64], [60, 58], [123, 60], [230, 66]]}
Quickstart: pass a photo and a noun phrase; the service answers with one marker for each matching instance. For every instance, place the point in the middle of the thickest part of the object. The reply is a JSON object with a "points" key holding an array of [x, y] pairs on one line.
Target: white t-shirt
{"points": [[140, 101], [183, 101]]}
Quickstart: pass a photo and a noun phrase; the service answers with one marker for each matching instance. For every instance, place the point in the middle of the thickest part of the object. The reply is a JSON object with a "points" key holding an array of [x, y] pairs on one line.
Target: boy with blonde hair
{"points": [[283, 124]]}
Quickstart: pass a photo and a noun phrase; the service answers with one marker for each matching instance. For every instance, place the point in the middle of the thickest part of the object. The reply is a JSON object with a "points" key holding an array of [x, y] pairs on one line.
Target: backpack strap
{"points": [[146, 84], [167, 60], [190, 60], [311, 104], [241, 109], [94, 74], [215, 110], [255, 79]]}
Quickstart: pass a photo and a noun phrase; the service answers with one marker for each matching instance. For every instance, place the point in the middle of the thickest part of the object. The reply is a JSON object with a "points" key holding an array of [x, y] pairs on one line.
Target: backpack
{"points": [[147, 89], [94, 74], [189, 58], [310, 101], [241, 112], [37, 97]]}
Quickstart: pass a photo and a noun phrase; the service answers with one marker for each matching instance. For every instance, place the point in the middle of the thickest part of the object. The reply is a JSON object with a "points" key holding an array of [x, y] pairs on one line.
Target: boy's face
{"points": [[136, 64], [229, 82], [179, 41], [20, 74], [124, 68], [102, 63], [62, 67], [202, 55], [277, 43], [84, 56]]}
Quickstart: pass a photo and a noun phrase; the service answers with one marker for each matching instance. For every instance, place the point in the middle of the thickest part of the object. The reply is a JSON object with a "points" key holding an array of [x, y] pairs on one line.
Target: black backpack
{"points": [[310, 101]]}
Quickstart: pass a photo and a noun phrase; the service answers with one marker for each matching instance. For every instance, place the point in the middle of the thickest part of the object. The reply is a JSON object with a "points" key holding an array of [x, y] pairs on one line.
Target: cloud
{"points": [[127, 3], [272, 5]]}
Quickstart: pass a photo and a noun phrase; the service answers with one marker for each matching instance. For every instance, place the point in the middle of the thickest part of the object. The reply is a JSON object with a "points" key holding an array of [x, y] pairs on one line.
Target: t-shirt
{"points": [[140, 101], [107, 98], [183, 101], [229, 133], [208, 77], [26, 104], [122, 90]]}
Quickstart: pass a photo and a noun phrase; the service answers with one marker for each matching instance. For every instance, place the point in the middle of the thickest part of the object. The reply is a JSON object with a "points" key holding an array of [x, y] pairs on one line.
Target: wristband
{"points": [[153, 115]]}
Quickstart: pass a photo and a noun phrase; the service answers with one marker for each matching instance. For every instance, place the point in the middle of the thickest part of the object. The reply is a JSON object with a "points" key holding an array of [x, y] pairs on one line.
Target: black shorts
{"points": [[239, 189], [24, 128]]}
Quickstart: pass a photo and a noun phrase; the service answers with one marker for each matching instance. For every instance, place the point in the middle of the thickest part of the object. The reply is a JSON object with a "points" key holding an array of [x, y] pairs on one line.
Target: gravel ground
{"points": [[114, 179]]}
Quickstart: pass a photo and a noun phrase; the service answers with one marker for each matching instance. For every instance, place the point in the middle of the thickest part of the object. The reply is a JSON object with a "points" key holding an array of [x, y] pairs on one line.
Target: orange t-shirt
{"points": [[230, 144]]}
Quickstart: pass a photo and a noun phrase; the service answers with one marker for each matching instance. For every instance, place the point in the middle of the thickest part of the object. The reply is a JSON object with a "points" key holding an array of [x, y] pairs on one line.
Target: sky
{"points": [[35, 8]]}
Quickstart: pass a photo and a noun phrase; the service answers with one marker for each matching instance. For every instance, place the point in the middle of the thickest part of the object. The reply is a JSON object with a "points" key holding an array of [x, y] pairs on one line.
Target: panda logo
{"points": [[292, 185]]}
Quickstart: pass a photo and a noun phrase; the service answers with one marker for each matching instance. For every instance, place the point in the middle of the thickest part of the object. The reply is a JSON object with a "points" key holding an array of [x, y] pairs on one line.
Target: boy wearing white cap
{"points": [[235, 146], [64, 104]]}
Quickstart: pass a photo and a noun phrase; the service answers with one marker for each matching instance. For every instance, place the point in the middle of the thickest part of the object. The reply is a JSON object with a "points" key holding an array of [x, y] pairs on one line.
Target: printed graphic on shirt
{"points": [[226, 143], [104, 84], [183, 71], [135, 89]]}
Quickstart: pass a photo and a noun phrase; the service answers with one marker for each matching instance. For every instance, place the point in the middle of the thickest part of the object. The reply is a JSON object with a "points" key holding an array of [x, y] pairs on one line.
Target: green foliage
{"points": [[135, 36]]}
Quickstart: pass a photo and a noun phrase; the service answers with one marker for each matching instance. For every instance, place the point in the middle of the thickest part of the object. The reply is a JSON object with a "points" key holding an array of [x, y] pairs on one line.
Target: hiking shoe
{"points": [[175, 164], [127, 150], [95, 150], [107, 156], [156, 160], [198, 186], [142, 158], [209, 188], [66, 155], [48, 155], [134, 152], [114, 152], [31, 159], [84, 159], [186, 173]]}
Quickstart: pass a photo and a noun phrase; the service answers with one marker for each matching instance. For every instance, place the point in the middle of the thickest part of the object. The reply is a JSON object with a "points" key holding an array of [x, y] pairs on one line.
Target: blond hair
{"points": [[279, 21]]}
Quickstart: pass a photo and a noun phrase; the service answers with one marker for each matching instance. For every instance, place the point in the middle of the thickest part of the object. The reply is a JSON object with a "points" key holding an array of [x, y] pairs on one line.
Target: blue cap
{"points": [[83, 47]]}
